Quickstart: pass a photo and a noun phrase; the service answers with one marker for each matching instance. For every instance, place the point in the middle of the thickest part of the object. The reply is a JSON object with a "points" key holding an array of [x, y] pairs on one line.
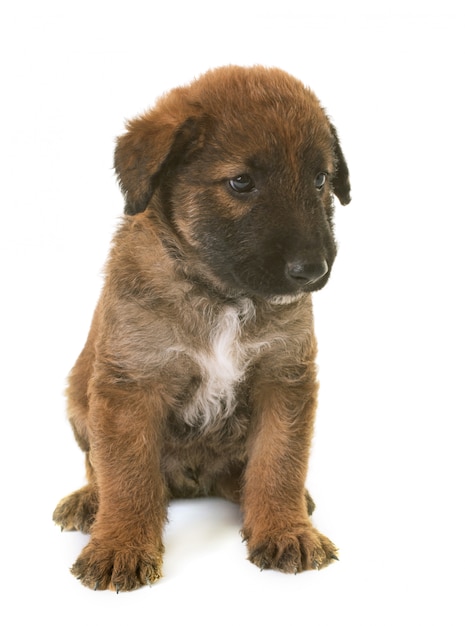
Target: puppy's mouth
{"points": [[286, 299], [275, 277], [289, 285]]}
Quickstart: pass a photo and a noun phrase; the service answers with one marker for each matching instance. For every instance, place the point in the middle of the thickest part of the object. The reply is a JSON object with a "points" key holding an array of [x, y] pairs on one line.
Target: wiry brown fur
{"points": [[198, 375]]}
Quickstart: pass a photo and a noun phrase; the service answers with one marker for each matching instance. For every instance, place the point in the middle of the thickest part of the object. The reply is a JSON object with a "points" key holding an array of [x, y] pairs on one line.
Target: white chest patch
{"points": [[223, 365]]}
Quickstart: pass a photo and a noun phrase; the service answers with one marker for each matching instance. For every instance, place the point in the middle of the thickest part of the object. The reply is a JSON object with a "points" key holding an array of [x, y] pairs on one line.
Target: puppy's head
{"points": [[243, 163]]}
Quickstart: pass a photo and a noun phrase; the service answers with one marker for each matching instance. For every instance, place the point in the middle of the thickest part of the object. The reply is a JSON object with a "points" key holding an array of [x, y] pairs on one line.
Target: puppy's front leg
{"points": [[125, 550], [277, 528]]}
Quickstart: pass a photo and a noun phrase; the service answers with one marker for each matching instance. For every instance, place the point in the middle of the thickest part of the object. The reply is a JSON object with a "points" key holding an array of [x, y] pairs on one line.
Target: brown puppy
{"points": [[198, 375]]}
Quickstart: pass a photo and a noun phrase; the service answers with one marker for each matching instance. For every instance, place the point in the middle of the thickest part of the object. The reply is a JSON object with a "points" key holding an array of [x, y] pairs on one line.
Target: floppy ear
{"points": [[341, 180], [152, 141]]}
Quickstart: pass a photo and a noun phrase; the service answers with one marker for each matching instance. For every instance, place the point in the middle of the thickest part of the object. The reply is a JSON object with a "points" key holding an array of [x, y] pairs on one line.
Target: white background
{"points": [[387, 469]]}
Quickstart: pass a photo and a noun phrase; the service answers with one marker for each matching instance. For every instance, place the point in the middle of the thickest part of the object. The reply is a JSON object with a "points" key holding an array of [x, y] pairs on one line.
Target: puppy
{"points": [[198, 376]]}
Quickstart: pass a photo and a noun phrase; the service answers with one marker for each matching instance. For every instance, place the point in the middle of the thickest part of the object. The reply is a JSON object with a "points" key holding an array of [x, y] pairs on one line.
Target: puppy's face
{"points": [[247, 184], [259, 211]]}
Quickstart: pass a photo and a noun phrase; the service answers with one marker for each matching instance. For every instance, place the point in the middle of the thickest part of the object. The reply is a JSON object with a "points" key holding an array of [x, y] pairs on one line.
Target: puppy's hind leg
{"points": [[78, 510], [310, 503]]}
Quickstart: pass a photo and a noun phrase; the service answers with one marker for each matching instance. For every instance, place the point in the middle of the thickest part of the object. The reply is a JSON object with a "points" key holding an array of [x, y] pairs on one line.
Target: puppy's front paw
{"points": [[105, 567], [292, 550]]}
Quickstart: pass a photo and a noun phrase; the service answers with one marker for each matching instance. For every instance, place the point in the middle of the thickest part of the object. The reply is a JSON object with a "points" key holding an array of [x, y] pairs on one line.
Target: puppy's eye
{"points": [[320, 180], [242, 184]]}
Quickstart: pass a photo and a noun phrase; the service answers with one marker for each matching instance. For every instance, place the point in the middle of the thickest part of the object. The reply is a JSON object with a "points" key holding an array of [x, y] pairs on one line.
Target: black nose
{"points": [[304, 273]]}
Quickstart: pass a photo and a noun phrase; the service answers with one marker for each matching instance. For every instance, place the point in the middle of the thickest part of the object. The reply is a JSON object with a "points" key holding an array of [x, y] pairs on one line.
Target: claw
{"points": [[334, 557], [96, 586], [117, 589]]}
